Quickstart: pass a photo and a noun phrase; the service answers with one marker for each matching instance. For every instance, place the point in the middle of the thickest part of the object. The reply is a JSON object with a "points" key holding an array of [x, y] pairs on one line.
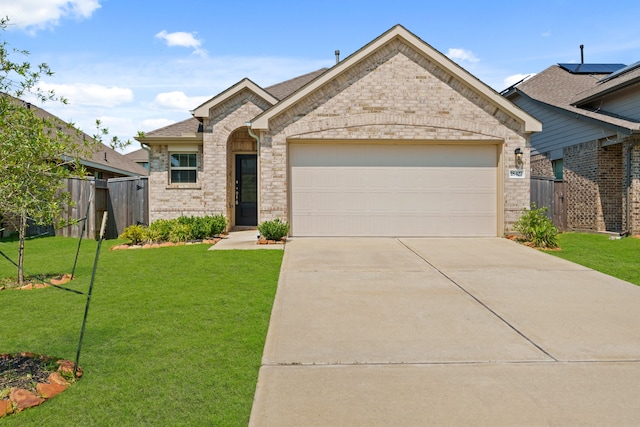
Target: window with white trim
{"points": [[183, 168]]}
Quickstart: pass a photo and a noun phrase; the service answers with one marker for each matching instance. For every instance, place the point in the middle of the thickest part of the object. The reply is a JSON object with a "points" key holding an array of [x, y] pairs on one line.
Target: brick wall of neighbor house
{"points": [[541, 166], [631, 186], [395, 94], [610, 185], [581, 177]]}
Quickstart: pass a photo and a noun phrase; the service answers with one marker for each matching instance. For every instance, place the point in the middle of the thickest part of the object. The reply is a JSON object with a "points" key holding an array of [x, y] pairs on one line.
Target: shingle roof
{"points": [[556, 86], [279, 91], [286, 88], [186, 127], [139, 155], [616, 81], [103, 157], [559, 88]]}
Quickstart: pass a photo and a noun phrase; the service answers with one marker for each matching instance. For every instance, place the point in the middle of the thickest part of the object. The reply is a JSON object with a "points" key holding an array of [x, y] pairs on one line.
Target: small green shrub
{"points": [[159, 230], [180, 232], [200, 228], [217, 224], [134, 233], [274, 230], [537, 228]]}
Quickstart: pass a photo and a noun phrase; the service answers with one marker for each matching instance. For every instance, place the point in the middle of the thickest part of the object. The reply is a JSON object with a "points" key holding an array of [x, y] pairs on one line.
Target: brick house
{"points": [[590, 137], [395, 140]]}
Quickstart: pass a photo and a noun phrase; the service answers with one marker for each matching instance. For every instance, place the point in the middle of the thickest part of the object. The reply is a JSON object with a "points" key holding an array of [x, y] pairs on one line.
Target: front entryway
{"points": [[246, 193]]}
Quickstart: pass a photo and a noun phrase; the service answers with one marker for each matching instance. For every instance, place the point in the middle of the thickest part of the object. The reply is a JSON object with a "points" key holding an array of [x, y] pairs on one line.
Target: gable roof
{"points": [[530, 124], [557, 88], [192, 127], [244, 84]]}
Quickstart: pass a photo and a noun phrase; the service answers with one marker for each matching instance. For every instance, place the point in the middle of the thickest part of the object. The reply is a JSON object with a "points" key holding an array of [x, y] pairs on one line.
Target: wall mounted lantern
{"points": [[519, 162]]}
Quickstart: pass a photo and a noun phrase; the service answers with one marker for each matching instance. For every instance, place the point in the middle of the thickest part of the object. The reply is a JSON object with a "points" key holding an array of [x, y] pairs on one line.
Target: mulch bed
{"points": [[28, 380]]}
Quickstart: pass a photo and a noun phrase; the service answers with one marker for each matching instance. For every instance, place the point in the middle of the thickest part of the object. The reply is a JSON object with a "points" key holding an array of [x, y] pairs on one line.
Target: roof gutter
{"points": [[100, 166]]}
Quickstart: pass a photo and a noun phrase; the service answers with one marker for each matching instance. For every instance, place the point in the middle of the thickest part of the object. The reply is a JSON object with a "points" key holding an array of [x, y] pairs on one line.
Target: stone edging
{"points": [[20, 399], [263, 241], [59, 280]]}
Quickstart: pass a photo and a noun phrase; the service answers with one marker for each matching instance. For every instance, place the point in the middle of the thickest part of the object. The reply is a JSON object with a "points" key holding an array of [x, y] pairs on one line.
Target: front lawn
{"points": [[618, 258], [174, 335]]}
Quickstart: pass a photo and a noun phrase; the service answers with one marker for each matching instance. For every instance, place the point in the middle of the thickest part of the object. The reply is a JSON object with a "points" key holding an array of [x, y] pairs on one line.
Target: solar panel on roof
{"points": [[592, 68], [622, 71]]}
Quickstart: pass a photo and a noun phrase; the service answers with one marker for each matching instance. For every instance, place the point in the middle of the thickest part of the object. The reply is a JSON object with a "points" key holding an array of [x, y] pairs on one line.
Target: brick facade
{"points": [[594, 186], [541, 166], [631, 185], [225, 135], [395, 94], [610, 185]]}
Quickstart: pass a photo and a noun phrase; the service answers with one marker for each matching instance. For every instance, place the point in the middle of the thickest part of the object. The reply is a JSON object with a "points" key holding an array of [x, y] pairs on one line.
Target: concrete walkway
{"points": [[415, 332], [245, 239]]}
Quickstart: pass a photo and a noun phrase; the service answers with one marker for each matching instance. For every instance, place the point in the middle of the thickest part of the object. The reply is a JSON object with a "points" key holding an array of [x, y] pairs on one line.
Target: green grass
{"points": [[174, 335], [618, 258]]}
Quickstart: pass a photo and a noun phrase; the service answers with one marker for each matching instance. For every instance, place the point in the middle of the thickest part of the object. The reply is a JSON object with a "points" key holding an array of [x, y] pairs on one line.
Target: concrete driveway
{"points": [[415, 332]]}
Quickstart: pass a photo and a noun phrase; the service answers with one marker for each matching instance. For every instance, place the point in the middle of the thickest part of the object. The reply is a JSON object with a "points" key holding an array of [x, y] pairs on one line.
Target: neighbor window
{"points": [[183, 168], [557, 168]]}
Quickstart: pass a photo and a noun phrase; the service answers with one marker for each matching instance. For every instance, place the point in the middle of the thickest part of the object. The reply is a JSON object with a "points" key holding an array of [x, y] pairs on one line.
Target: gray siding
{"points": [[626, 105], [559, 130]]}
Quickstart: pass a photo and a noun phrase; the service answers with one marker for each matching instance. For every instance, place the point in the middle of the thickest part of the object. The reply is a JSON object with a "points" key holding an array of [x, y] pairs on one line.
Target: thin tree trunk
{"points": [[22, 231]]}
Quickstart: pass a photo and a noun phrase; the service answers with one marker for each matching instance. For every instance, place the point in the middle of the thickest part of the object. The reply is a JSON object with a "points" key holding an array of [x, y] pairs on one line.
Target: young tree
{"points": [[37, 150]]}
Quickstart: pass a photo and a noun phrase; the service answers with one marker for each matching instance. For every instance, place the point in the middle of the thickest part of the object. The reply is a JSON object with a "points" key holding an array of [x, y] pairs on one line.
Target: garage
{"points": [[373, 189]]}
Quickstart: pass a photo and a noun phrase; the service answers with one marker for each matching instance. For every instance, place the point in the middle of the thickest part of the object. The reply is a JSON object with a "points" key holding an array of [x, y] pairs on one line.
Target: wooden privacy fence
{"points": [[125, 199], [549, 193], [128, 204]]}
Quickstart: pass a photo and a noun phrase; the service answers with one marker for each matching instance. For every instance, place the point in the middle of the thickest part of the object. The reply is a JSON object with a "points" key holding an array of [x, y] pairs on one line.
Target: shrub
{"points": [[180, 232], [217, 224], [537, 228], [200, 228], [159, 230], [274, 230], [135, 233]]}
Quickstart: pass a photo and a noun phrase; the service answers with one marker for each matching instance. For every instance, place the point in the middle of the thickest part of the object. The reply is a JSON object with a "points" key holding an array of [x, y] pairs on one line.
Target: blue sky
{"points": [[139, 64]]}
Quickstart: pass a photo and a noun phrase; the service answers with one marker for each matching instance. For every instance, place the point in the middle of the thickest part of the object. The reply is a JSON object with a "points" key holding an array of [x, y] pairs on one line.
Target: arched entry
{"points": [[242, 178]]}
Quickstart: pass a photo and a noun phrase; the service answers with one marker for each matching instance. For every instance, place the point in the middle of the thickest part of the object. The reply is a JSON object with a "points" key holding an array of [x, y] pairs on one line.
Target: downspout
{"points": [[148, 150], [632, 144], [257, 138]]}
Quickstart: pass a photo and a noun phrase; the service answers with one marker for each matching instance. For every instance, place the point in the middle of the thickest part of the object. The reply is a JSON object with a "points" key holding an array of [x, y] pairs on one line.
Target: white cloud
{"points": [[546, 34], [34, 15], [182, 39], [177, 100], [91, 94], [511, 80], [462, 55]]}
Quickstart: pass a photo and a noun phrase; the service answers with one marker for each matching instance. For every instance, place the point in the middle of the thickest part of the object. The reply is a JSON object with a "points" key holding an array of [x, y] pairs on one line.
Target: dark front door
{"points": [[246, 189]]}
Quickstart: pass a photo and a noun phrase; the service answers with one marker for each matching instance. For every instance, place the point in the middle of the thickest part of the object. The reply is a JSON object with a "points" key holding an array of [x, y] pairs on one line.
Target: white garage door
{"points": [[393, 190]]}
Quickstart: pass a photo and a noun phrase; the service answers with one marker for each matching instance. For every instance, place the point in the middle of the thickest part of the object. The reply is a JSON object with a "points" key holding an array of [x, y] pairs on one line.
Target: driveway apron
{"points": [[380, 331]]}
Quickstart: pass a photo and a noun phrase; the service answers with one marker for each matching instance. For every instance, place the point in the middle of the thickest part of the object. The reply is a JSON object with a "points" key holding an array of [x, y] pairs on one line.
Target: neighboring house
{"points": [[104, 163], [590, 137], [395, 140], [140, 157]]}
